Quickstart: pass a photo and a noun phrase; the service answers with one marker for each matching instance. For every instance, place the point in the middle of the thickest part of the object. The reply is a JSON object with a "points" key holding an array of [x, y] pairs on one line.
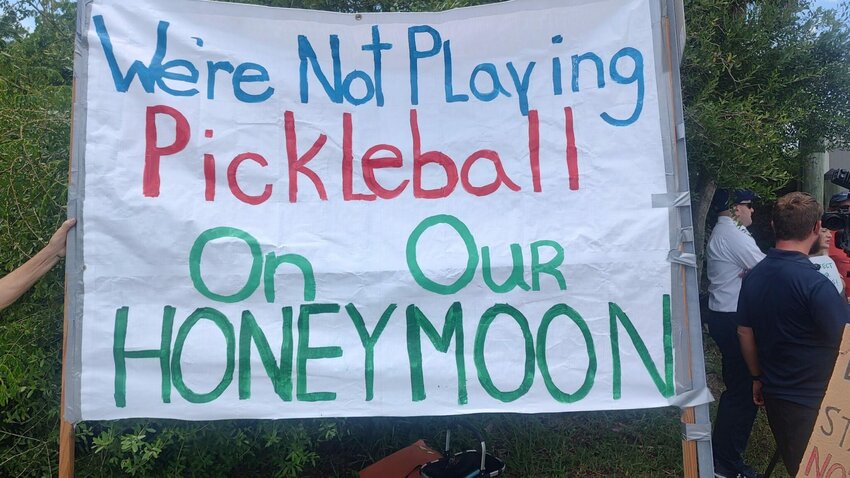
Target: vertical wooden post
{"points": [[690, 460], [689, 447], [66, 428], [66, 431]]}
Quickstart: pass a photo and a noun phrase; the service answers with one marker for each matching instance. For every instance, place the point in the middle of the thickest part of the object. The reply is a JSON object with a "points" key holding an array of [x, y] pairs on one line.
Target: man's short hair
{"points": [[795, 216]]}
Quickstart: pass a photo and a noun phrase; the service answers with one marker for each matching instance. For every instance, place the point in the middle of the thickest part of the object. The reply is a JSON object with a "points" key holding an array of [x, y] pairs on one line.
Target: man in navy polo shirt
{"points": [[791, 321]]}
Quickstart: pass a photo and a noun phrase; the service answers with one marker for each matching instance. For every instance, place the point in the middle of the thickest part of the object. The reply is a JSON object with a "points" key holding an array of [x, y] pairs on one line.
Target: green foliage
{"points": [[35, 102], [763, 83], [279, 449]]}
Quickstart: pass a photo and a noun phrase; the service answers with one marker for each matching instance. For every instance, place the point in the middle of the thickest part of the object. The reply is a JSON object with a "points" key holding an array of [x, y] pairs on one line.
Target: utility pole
{"points": [[814, 168]]}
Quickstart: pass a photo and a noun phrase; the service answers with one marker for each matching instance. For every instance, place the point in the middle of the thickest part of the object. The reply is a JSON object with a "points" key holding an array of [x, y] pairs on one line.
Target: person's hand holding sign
{"points": [[56, 245]]}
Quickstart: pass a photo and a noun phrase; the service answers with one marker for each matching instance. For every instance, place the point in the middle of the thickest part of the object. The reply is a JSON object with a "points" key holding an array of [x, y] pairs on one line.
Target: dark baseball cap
{"points": [[725, 198], [741, 196]]}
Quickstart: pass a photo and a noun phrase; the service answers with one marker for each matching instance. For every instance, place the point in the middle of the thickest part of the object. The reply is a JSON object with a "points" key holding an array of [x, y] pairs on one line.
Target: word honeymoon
{"points": [[279, 369]]}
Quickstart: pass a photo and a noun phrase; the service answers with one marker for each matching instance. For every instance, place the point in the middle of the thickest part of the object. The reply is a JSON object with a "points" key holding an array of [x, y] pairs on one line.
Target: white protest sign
{"points": [[299, 214]]}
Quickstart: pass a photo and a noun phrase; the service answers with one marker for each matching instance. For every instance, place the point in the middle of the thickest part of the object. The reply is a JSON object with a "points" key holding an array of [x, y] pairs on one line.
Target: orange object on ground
{"points": [[404, 463]]}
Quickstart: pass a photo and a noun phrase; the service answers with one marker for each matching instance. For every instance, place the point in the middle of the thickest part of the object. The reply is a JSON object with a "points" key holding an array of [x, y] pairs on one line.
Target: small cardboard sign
{"points": [[828, 453]]}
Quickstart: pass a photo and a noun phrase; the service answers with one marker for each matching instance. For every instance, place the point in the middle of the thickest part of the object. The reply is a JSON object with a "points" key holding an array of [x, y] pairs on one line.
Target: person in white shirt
{"points": [[730, 254], [826, 265]]}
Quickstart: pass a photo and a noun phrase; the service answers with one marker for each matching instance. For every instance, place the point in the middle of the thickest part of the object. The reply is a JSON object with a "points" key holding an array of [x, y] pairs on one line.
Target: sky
{"points": [[826, 3]]}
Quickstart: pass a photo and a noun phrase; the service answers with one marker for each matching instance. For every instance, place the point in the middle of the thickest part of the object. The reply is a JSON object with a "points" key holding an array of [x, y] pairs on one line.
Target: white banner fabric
{"points": [[294, 213]]}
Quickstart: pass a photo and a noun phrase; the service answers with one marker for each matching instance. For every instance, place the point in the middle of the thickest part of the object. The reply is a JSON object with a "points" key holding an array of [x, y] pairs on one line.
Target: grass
{"points": [[596, 444], [637, 443]]}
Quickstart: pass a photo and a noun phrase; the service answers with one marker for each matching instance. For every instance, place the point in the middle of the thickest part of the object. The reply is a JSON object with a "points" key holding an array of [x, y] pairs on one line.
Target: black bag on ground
{"points": [[464, 464]]}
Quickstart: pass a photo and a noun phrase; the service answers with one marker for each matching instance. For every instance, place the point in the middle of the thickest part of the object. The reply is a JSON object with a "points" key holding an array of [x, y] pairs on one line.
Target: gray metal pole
{"points": [[700, 430]]}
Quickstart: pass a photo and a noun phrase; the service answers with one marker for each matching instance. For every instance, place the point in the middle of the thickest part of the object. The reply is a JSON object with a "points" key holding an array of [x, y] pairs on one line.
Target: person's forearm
{"points": [[749, 350], [21, 279]]}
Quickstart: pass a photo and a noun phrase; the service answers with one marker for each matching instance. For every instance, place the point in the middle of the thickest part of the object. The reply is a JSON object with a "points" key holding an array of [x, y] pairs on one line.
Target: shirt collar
{"points": [[792, 256], [732, 222]]}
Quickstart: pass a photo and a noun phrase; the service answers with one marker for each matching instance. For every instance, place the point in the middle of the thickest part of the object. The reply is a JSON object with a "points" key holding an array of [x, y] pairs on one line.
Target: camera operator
{"points": [[840, 202]]}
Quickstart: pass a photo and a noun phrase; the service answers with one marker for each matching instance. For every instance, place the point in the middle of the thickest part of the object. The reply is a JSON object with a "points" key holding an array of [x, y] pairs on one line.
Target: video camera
{"points": [[839, 220]]}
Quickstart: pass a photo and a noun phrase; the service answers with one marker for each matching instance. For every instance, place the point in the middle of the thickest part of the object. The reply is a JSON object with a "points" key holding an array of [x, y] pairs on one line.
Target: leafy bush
{"points": [[280, 449], [35, 103]]}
